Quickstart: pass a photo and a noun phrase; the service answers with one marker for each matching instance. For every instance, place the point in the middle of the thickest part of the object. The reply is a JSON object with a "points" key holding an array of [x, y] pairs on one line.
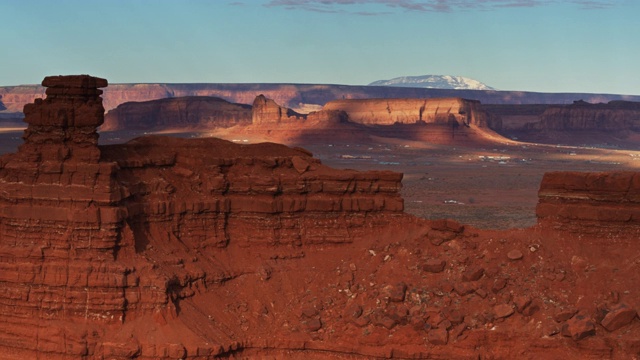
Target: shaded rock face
{"points": [[63, 126], [328, 116], [613, 116], [80, 225], [195, 112], [445, 111], [266, 111], [578, 200]]}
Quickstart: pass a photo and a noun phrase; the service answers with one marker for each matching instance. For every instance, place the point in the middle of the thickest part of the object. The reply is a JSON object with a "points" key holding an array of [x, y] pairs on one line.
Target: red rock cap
{"points": [[74, 81]]}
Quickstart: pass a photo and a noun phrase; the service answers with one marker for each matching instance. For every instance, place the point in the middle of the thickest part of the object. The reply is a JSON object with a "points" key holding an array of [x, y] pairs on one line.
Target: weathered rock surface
{"points": [[581, 200], [581, 115], [579, 328], [69, 209], [619, 316], [166, 248], [266, 111], [453, 112], [197, 112]]}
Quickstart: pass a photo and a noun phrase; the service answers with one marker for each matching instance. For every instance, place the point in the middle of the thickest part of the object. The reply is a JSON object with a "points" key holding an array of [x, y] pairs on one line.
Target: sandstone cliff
{"points": [[197, 112], [267, 111], [591, 200], [613, 116], [447, 111], [166, 248]]}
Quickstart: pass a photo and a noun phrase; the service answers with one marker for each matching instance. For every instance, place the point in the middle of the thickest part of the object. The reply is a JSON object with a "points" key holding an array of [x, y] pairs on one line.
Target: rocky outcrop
{"points": [[199, 112], [590, 201], [59, 225], [614, 116], [83, 228], [266, 111], [447, 111]]}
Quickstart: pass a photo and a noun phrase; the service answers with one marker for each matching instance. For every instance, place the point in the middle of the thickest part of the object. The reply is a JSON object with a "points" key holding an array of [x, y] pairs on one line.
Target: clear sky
{"points": [[530, 45]]}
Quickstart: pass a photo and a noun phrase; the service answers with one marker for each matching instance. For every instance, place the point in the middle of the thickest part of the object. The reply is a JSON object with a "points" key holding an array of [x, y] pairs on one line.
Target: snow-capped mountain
{"points": [[434, 82]]}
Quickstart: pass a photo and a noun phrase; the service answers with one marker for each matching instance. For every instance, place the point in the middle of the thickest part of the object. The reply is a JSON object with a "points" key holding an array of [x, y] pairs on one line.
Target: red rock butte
{"points": [[165, 248]]}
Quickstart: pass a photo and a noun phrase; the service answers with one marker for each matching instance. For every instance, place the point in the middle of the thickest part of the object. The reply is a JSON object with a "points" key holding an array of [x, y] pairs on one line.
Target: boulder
{"points": [[618, 316]]}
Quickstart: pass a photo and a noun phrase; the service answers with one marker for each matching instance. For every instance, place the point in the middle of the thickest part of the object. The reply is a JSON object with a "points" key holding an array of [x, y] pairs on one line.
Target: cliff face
{"points": [[586, 201], [267, 111], [448, 111], [293, 95], [184, 112], [614, 116]]}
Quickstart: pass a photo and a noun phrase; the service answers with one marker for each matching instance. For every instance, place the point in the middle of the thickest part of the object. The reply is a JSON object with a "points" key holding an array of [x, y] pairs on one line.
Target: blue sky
{"points": [[529, 45]]}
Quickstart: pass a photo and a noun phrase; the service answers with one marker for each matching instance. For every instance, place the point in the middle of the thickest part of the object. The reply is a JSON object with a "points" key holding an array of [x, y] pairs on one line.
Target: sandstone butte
{"points": [[166, 248]]}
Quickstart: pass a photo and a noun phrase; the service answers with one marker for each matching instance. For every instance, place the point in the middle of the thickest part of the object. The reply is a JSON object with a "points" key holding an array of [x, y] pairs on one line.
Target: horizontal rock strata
{"points": [[578, 200], [444, 111], [194, 112], [614, 116], [76, 219]]}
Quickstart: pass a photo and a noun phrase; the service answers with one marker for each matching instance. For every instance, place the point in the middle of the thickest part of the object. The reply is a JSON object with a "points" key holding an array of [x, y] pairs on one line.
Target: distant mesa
{"points": [[442, 111], [299, 97], [211, 113], [435, 82], [191, 112], [581, 115]]}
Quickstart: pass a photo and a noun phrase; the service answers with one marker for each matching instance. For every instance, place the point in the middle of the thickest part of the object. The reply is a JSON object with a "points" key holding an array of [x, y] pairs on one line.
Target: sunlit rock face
{"points": [[443, 111]]}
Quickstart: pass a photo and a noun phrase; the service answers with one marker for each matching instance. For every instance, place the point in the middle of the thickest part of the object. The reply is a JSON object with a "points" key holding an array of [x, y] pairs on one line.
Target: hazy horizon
{"points": [[583, 46]]}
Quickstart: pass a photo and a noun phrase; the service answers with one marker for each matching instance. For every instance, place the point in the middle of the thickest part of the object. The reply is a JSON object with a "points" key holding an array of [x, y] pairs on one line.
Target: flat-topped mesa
{"points": [[590, 201], [444, 111], [62, 127], [613, 116]]}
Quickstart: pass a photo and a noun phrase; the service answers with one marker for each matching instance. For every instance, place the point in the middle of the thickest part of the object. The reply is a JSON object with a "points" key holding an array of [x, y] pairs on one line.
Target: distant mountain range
{"points": [[435, 82]]}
